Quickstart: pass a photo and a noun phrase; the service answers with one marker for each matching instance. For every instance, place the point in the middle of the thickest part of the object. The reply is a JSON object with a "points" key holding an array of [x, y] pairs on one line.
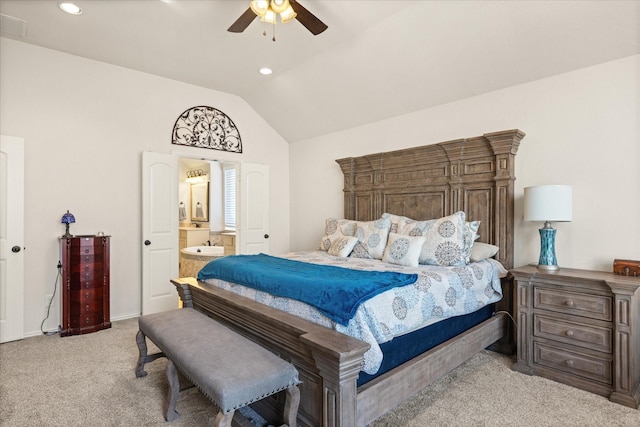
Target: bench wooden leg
{"points": [[291, 406], [223, 420], [143, 358], [142, 349], [170, 413]]}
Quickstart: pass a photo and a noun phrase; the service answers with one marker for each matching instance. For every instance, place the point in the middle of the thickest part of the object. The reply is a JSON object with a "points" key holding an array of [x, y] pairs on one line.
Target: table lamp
{"points": [[67, 219], [548, 203]]}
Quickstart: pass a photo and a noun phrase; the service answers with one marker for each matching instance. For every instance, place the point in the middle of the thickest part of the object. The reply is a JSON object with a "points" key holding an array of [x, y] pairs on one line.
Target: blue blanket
{"points": [[335, 291]]}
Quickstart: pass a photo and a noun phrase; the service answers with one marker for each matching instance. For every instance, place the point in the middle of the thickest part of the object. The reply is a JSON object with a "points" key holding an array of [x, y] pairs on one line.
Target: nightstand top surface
{"points": [[531, 271]]}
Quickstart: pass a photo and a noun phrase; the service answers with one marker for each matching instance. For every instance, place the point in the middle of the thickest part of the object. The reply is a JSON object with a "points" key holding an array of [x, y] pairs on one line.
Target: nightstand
{"points": [[581, 328]]}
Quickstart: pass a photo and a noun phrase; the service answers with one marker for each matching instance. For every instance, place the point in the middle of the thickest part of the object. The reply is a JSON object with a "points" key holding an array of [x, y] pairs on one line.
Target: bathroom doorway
{"points": [[160, 208], [207, 205]]}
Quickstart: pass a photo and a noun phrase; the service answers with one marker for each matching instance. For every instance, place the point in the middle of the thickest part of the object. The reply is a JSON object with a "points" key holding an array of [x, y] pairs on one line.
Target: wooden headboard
{"points": [[475, 175]]}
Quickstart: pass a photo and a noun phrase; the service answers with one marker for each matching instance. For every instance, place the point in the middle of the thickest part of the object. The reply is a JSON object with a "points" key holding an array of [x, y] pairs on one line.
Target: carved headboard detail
{"points": [[475, 175]]}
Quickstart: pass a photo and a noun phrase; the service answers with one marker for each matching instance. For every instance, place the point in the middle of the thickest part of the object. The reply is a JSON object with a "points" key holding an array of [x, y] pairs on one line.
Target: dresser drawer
{"points": [[592, 306], [588, 336], [85, 320], [85, 259], [80, 299], [87, 250], [583, 365], [86, 280]]}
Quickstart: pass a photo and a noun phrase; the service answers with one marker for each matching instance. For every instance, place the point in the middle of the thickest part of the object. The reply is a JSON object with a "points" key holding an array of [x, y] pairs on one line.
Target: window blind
{"points": [[230, 199]]}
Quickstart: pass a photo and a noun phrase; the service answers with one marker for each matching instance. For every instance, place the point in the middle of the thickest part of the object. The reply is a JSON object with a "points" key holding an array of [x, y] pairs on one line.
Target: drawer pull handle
{"points": [[86, 307], [569, 362], [569, 333], [569, 303], [86, 320], [86, 251], [86, 259], [86, 295]]}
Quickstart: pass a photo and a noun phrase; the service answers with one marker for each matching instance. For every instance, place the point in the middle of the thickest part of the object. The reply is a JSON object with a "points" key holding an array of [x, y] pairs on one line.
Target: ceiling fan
{"points": [[288, 10]]}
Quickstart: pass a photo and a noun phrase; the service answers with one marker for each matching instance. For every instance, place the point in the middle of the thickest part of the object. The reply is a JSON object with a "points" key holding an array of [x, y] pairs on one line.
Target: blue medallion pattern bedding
{"points": [[439, 292]]}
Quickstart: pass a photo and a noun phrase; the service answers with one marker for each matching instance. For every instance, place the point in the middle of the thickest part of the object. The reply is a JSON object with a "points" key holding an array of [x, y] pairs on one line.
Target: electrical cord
{"points": [[55, 287], [508, 314]]}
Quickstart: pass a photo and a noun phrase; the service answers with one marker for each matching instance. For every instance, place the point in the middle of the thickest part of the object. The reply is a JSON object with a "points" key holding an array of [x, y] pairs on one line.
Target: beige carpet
{"points": [[89, 380]]}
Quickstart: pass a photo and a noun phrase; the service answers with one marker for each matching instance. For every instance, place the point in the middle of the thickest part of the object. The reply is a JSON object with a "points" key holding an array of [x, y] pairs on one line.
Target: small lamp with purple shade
{"points": [[67, 219]]}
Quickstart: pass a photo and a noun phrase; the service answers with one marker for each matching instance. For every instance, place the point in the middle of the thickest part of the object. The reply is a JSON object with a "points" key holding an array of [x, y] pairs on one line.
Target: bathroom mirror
{"points": [[200, 202]]}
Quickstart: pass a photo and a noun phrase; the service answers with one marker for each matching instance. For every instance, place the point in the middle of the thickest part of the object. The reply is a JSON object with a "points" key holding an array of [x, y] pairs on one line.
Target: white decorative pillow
{"points": [[445, 239], [403, 250], [411, 227], [332, 231], [480, 251], [342, 246], [396, 221], [372, 237]]}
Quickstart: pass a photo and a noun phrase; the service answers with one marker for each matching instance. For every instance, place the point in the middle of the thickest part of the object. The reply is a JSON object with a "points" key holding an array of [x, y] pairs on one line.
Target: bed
{"points": [[473, 175]]}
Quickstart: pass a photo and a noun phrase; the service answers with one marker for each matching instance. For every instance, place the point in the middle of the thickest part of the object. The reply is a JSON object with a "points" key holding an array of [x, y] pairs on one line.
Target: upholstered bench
{"points": [[229, 369]]}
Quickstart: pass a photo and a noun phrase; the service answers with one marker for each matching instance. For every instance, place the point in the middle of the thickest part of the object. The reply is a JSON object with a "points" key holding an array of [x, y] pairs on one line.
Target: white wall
{"points": [[85, 125], [582, 129]]}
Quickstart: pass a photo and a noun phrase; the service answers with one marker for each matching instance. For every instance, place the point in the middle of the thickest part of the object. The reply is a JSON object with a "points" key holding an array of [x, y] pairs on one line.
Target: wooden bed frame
{"points": [[473, 174]]}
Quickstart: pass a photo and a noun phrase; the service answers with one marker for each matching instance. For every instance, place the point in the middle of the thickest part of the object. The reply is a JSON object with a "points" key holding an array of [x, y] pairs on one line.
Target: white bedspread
{"points": [[439, 293]]}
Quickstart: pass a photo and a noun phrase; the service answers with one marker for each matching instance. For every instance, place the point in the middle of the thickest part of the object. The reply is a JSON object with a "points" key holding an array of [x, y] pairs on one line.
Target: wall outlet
{"points": [[48, 298]]}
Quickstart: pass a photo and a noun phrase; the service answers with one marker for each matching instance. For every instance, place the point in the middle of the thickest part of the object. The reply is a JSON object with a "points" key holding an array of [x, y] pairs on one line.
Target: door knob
{"points": [[15, 249], [147, 242], [266, 236]]}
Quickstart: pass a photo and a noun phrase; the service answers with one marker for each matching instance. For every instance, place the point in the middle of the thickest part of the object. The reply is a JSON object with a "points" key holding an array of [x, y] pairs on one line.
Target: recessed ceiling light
{"points": [[70, 8], [265, 71]]}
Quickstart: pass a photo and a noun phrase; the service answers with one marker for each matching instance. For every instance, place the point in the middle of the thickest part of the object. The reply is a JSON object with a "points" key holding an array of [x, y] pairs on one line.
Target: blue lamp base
{"points": [[548, 261]]}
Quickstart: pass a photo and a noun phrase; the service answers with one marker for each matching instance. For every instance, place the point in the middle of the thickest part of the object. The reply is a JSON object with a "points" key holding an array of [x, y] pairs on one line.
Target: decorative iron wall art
{"points": [[206, 127]]}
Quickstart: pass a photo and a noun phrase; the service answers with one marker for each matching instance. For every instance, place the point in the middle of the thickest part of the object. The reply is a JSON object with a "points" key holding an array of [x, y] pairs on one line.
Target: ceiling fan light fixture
{"points": [[259, 7], [279, 6], [268, 11], [288, 14], [269, 16]]}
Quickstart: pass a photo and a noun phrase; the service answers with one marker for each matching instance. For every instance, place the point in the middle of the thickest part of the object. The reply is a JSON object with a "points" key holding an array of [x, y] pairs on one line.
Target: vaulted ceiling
{"points": [[376, 60]]}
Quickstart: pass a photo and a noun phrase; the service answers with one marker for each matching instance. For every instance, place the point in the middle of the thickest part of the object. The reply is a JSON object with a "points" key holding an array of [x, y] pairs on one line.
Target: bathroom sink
{"points": [[204, 250]]}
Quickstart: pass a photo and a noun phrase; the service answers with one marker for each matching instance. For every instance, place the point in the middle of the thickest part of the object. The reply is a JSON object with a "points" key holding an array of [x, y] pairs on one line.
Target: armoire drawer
{"points": [[86, 320]]}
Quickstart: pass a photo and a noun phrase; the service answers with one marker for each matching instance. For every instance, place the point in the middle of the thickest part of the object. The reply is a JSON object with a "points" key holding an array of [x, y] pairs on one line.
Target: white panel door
{"points": [[159, 232], [11, 238], [254, 208]]}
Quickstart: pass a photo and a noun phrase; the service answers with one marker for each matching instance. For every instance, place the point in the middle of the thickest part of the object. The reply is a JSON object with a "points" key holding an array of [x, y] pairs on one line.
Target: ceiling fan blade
{"points": [[308, 19], [243, 22]]}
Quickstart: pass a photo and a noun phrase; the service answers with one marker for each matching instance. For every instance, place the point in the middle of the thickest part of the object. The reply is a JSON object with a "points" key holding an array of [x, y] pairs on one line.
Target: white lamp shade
{"points": [[548, 203]]}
